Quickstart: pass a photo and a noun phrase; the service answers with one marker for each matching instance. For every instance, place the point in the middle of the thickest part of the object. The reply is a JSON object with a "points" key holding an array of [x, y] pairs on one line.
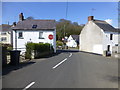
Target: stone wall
{"points": [[4, 56]]}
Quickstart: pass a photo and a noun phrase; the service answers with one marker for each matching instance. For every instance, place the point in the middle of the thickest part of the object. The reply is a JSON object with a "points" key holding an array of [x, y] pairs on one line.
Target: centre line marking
{"points": [[70, 55], [59, 63], [29, 86]]}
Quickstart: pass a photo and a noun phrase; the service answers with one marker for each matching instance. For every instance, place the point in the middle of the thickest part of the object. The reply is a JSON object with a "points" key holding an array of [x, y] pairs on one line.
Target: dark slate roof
{"points": [[118, 29], [75, 37], [5, 28], [39, 24], [105, 26]]}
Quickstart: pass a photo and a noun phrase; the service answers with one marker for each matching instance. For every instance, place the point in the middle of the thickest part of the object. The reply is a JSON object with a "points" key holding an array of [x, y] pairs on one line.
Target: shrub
{"points": [[38, 48], [29, 48], [59, 43]]}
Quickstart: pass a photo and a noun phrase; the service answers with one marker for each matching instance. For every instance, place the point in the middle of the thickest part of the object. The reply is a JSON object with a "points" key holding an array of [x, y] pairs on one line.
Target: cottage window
{"points": [[3, 33], [34, 26], [20, 35], [41, 35], [111, 36], [108, 48], [3, 39]]}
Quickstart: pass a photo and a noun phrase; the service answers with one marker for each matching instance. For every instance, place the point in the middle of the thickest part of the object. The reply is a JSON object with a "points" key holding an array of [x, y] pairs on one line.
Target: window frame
{"points": [[41, 35], [2, 39], [111, 36], [20, 36], [3, 33], [34, 26]]}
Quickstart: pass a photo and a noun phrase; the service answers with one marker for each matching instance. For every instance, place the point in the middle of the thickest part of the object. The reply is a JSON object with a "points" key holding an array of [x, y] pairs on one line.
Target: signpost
{"points": [[50, 37]]}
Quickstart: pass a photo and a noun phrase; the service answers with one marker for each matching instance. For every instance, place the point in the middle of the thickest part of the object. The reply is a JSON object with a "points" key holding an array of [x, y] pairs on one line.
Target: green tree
{"points": [[66, 28]]}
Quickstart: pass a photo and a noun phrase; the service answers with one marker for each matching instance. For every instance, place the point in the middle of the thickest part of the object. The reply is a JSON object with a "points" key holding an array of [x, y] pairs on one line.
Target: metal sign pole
{"points": [[15, 40], [50, 45], [50, 38]]}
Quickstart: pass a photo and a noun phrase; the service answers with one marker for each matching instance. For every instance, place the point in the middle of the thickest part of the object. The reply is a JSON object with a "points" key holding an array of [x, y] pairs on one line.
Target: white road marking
{"points": [[59, 63], [29, 86], [70, 55]]}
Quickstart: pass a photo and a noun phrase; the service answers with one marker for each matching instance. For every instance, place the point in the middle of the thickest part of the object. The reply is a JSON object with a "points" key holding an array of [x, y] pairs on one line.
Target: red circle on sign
{"points": [[50, 36]]}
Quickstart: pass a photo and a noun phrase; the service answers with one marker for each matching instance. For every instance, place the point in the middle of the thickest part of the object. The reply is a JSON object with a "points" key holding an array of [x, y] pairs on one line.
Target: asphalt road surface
{"points": [[67, 69]]}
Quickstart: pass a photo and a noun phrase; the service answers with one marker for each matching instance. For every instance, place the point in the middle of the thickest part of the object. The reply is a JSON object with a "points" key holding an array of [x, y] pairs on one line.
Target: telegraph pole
{"points": [[92, 10], [66, 16]]}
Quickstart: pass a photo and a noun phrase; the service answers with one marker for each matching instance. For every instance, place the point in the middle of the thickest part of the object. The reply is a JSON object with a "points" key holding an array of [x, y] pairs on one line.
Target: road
{"points": [[67, 69]]}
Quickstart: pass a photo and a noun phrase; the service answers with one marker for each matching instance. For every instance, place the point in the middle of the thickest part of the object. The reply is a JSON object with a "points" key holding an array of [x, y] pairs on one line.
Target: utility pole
{"points": [[64, 27], [15, 40], [92, 10], [64, 30], [66, 16], [66, 9]]}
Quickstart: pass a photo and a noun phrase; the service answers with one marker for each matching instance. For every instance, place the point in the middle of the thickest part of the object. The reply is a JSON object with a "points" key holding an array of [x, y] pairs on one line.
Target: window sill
{"points": [[20, 38], [41, 38]]}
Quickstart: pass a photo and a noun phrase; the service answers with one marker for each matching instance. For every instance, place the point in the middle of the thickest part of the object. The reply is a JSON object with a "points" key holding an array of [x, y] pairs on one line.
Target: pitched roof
{"points": [[75, 37], [105, 26], [5, 28], [35, 24]]}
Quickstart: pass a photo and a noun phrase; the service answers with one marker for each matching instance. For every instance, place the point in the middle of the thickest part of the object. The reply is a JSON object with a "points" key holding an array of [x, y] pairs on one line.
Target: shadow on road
{"points": [[91, 53], [8, 68], [69, 51], [59, 52]]}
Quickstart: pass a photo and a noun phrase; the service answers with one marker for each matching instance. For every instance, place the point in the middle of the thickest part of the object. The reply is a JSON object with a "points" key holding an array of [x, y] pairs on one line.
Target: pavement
{"points": [[66, 69]]}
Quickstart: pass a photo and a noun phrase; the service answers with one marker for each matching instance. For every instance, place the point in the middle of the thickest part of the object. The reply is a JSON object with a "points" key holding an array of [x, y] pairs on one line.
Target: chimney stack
{"points": [[14, 24], [90, 18], [21, 17]]}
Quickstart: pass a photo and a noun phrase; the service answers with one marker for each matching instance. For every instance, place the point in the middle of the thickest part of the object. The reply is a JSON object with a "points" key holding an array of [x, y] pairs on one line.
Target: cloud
{"points": [[110, 21]]}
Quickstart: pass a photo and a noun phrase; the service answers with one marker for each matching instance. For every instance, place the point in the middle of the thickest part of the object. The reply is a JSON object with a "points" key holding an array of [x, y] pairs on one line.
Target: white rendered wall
{"points": [[91, 38], [94, 39], [34, 36], [71, 42], [107, 40], [8, 37]]}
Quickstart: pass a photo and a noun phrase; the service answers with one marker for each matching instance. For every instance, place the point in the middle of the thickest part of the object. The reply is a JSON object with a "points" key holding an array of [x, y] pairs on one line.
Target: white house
{"points": [[98, 36], [5, 34], [31, 30], [73, 41]]}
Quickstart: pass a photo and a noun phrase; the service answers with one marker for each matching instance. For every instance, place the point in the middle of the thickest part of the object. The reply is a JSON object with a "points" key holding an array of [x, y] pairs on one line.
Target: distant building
{"points": [[73, 41], [5, 34], [31, 30], [98, 36]]}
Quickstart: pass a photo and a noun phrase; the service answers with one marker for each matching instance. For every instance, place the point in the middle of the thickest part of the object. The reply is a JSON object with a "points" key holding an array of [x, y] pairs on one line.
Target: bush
{"points": [[29, 48], [59, 43], [38, 48]]}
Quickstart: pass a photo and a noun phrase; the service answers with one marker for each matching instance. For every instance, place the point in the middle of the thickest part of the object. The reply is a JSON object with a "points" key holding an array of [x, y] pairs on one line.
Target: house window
{"points": [[111, 36], [34, 26], [3, 33], [108, 48], [3, 39], [116, 44], [41, 35], [20, 35]]}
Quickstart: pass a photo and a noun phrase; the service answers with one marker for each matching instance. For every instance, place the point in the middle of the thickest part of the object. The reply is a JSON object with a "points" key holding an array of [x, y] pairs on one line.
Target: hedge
{"points": [[39, 49]]}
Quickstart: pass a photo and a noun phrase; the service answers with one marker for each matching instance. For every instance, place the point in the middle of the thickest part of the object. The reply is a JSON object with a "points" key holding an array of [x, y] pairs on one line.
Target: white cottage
{"points": [[5, 34], [73, 41], [31, 30], [98, 36]]}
